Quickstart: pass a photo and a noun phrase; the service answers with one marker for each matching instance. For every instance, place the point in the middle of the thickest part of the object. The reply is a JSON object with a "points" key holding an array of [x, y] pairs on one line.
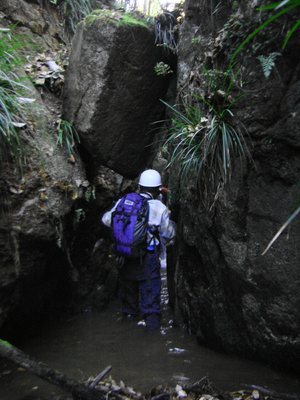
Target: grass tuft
{"points": [[73, 11], [207, 148], [11, 90], [67, 136]]}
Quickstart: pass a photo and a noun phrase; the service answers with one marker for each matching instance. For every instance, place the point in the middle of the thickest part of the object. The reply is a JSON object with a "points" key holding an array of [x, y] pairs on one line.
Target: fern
{"points": [[268, 63], [162, 69]]}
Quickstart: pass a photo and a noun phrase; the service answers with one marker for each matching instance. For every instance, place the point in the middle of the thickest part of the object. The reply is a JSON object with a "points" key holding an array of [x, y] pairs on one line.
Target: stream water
{"points": [[84, 345]]}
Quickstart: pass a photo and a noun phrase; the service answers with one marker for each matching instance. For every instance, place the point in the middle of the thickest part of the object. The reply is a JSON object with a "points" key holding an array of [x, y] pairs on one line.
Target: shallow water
{"points": [[84, 345]]}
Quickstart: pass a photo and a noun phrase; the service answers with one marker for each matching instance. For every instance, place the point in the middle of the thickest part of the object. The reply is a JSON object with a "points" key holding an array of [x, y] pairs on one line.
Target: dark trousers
{"points": [[140, 289]]}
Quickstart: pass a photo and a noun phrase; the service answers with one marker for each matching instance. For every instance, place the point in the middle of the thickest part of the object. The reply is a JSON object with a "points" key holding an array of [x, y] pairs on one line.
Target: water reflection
{"points": [[84, 345]]}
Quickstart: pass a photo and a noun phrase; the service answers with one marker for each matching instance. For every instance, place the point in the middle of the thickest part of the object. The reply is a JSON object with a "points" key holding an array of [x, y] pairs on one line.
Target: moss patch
{"points": [[129, 19], [115, 17], [5, 343]]}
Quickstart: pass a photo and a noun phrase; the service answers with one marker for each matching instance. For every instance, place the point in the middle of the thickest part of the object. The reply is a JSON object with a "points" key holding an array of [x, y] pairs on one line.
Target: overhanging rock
{"points": [[112, 93]]}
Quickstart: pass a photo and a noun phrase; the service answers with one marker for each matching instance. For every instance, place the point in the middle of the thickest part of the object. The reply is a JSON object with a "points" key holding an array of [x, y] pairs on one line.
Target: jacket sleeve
{"points": [[167, 228], [106, 218]]}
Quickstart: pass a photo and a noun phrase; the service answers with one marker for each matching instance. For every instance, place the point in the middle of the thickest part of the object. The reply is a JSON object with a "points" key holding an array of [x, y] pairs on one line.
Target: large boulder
{"points": [[232, 296], [112, 93]]}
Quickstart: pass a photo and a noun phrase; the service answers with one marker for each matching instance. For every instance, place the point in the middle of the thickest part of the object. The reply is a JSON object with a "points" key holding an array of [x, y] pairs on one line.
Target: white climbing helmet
{"points": [[150, 178]]}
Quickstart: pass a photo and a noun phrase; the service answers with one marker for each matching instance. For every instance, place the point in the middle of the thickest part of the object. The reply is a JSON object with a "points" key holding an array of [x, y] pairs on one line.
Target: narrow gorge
{"points": [[208, 95]]}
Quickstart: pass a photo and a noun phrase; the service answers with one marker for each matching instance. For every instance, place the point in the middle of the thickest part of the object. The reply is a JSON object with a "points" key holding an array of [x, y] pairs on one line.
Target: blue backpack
{"points": [[130, 225]]}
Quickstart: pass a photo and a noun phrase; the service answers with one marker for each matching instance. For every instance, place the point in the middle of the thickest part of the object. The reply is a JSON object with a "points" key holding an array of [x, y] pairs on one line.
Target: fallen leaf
{"points": [[15, 190], [74, 195], [39, 81], [25, 100], [18, 124], [71, 159], [43, 196]]}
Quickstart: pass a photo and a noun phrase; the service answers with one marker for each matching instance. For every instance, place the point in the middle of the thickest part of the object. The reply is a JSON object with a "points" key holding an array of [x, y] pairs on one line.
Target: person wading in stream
{"points": [[140, 282]]}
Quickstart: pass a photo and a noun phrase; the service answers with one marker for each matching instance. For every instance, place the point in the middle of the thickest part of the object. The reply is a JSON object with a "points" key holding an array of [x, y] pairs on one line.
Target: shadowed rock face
{"points": [[231, 296], [112, 93], [37, 18], [34, 274], [34, 268]]}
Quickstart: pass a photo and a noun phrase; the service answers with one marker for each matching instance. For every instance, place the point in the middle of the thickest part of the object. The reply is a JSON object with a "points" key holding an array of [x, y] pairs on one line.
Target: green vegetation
{"points": [[205, 137], [215, 80], [115, 17], [281, 8], [10, 44], [165, 31], [67, 136], [162, 69], [90, 193], [129, 19], [9, 111], [11, 90], [268, 63], [79, 215], [73, 10], [5, 343], [284, 8], [208, 144], [196, 40], [283, 227], [147, 7], [206, 148], [185, 136]]}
